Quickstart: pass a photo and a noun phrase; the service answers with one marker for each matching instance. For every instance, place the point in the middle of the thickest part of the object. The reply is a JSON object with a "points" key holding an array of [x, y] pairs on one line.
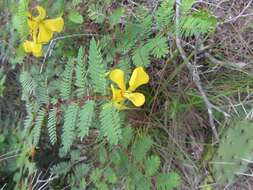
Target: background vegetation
{"points": [[60, 130]]}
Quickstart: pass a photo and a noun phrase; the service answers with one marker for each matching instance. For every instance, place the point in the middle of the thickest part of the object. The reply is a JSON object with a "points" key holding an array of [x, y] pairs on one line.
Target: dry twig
{"points": [[195, 75]]}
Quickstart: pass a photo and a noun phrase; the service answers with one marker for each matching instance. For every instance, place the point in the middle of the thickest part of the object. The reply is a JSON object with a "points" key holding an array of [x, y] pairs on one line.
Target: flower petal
{"points": [[41, 13], [138, 99], [116, 94], [33, 25], [32, 47], [27, 46], [45, 34], [55, 25], [138, 78], [37, 50], [117, 76]]}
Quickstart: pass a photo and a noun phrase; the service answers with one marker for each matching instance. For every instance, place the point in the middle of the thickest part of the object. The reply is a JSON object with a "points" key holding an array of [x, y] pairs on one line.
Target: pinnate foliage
{"points": [[141, 147], [152, 165], [70, 119], [86, 115], [97, 68], [110, 123], [51, 125], [66, 81], [81, 72], [38, 125], [167, 181]]}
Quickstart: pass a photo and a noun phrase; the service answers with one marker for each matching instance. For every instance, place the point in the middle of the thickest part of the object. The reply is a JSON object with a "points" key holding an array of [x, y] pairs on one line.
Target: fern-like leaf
{"points": [[21, 18], [28, 121], [116, 15], [80, 73], [164, 13], [86, 115], [127, 135], [110, 123], [186, 5], [152, 165], [158, 46], [144, 18], [66, 80], [167, 181], [129, 38], [96, 14], [28, 84], [199, 22], [141, 57], [41, 92], [68, 134], [37, 127], [61, 168], [141, 147], [51, 125], [97, 68]]}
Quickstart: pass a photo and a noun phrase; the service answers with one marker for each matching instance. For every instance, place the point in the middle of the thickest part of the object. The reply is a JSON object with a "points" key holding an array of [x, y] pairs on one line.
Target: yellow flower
{"points": [[138, 78], [33, 47], [42, 29]]}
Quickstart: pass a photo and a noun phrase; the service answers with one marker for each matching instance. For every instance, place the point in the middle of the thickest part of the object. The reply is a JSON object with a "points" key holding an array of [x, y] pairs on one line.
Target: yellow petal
{"points": [[32, 47], [45, 34], [116, 94], [33, 25], [117, 76], [138, 78], [55, 25], [138, 99], [37, 50], [27, 46], [41, 13]]}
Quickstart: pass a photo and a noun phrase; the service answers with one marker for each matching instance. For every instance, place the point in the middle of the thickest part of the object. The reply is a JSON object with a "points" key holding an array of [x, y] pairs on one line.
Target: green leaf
{"points": [[186, 5], [51, 125], [96, 175], [143, 184], [141, 57], [75, 17], [66, 80], [86, 115], [97, 69], [81, 72], [95, 12], [116, 15], [141, 147], [167, 181], [21, 18], [28, 84], [68, 134], [127, 135], [199, 22], [110, 123], [110, 176], [102, 154], [152, 165], [164, 13], [76, 2], [61, 168], [158, 46], [38, 124]]}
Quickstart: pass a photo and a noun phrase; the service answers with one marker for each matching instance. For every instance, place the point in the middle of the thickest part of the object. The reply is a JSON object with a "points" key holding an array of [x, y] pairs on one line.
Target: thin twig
{"points": [[241, 14], [195, 75]]}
